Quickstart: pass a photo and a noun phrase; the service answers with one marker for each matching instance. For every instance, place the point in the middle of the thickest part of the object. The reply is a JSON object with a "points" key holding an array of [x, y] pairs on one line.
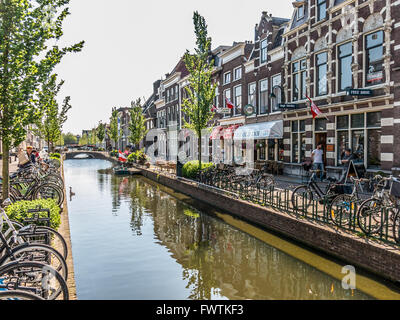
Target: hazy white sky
{"points": [[130, 44]]}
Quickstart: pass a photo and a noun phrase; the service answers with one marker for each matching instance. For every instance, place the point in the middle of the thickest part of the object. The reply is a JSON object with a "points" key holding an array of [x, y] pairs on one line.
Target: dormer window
{"points": [[300, 12]]}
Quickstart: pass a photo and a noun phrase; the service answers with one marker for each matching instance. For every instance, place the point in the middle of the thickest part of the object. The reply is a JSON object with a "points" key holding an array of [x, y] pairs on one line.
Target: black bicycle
{"points": [[303, 195]]}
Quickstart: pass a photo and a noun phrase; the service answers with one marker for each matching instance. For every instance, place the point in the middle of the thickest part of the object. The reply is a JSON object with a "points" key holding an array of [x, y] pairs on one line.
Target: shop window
{"points": [[374, 148], [357, 120], [374, 58], [342, 122], [298, 141], [320, 124], [373, 119]]}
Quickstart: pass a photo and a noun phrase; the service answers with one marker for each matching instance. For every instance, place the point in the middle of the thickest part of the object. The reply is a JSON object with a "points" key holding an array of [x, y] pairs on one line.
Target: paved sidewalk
{"points": [[13, 166]]}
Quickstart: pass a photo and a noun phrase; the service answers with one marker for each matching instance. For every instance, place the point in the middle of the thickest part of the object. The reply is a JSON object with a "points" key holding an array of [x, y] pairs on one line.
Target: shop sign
{"points": [[330, 148], [287, 105], [224, 111], [359, 92]]}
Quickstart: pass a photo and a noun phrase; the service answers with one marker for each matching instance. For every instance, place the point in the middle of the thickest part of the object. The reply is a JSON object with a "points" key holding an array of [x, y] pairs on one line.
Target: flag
{"points": [[314, 109], [121, 156], [213, 109], [229, 104]]}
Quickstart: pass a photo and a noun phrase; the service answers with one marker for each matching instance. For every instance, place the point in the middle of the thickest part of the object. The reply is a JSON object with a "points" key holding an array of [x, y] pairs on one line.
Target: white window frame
{"points": [[261, 51], [255, 94], [234, 73], [230, 77], [302, 16], [234, 98], [259, 96]]}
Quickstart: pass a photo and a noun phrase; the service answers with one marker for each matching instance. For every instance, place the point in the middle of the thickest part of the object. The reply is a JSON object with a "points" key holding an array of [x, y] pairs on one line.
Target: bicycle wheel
{"points": [[340, 210], [42, 235], [370, 217], [49, 191], [18, 295], [37, 253], [301, 198], [34, 277]]}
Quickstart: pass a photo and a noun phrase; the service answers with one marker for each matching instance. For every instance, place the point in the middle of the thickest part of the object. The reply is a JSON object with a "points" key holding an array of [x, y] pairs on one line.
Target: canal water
{"points": [[135, 239]]}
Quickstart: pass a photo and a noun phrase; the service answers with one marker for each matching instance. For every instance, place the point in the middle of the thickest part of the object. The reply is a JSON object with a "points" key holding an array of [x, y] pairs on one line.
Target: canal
{"points": [[135, 239]]}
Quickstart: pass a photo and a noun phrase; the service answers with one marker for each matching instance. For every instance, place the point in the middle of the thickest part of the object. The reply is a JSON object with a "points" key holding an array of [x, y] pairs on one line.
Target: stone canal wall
{"points": [[64, 230], [382, 260]]}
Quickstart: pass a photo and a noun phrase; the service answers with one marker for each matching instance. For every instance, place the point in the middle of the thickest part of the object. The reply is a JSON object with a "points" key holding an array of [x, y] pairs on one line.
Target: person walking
{"points": [[317, 159]]}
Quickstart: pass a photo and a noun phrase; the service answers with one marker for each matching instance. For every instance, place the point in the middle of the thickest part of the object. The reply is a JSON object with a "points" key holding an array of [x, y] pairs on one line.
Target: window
{"points": [[352, 131], [374, 58], [298, 141], [263, 50], [252, 94], [277, 92], [345, 57], [300, 12], [238, 73], [322, 69], [263, 96], [227, 95], [216, 99], [320, 124], [238, 100], [299, 75], [227, 78], [321, 9]]}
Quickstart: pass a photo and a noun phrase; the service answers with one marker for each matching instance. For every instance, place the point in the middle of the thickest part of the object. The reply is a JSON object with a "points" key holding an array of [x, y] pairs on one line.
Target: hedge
{"points": [[18, 211], [191, 169], [55, 155]]}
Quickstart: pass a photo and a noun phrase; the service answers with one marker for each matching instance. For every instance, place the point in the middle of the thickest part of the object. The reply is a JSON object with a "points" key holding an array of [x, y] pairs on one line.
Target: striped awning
{"points": [[216, 133], [229, 132]]}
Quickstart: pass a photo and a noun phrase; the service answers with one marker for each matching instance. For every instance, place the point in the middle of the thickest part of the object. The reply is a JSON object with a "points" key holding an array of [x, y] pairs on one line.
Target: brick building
{"points": [[342, 54]]}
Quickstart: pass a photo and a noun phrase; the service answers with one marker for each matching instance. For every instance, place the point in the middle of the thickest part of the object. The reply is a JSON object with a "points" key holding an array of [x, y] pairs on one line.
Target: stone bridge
{"points": [[84, 154]]}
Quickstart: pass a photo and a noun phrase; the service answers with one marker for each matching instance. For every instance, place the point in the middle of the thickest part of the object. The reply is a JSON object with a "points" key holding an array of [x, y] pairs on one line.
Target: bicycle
{"points": [[344, 206], [373, 212], [303, 195]]}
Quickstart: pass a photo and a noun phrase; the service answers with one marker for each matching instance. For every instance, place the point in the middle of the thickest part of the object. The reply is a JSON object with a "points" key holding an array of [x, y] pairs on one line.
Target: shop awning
{"points": [[228, 133], [262, 130], [216, 133]]}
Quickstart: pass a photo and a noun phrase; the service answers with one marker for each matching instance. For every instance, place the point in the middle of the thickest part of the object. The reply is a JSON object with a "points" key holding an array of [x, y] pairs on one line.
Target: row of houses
{"points": [[342, 54]]}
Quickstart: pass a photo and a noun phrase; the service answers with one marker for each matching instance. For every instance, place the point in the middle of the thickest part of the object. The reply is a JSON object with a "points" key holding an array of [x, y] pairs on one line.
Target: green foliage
{"points": [[138, 156], [201, 89], [101, 132], [70, 138], [29, 33], [114, 132], [55, 155], [191, 169], [19, 211], [114, 153], [49, 127], [84, 140], [137, 123]]}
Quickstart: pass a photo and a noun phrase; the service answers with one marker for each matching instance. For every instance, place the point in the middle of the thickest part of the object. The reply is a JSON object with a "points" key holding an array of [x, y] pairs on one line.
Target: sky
{"points": [[130, 44]]}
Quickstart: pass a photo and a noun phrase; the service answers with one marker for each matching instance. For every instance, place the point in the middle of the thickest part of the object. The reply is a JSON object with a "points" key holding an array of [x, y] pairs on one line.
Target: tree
{"points": [[26, 61], [114, 131], [137, 124], [69, 138], [101, 132], [49, 127], [84, 140], [201, 90]]}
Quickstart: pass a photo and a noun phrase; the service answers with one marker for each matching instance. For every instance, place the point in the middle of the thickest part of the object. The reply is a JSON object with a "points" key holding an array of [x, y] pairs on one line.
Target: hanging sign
{"points": [[287, 105], [249, 110]]}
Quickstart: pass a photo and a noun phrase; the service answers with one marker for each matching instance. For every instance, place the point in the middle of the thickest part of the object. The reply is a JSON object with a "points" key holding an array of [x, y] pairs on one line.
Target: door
{"points": [[320, 138]]}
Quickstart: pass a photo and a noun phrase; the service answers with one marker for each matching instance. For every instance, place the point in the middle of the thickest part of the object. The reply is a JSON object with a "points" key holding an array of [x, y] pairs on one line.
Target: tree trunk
{"points": [[199, 150], [6, 175]]}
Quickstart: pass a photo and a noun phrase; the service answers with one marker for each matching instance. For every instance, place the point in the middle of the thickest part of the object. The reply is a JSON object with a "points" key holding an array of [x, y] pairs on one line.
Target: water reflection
{"points": [[220, 260], [146, 244]]}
